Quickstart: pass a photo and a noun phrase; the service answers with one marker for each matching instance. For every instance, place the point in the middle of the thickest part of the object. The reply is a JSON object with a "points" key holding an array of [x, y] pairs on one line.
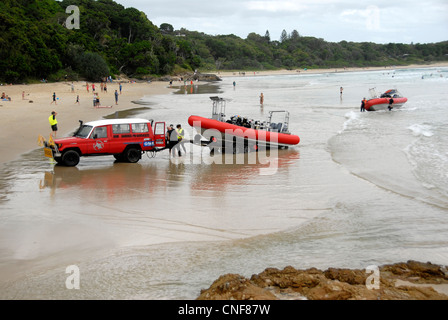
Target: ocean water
{"points": [[360, 189]]}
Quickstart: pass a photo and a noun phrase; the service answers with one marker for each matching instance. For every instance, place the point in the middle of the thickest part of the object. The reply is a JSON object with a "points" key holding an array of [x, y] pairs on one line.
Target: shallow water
{"points": [[360, 189]]}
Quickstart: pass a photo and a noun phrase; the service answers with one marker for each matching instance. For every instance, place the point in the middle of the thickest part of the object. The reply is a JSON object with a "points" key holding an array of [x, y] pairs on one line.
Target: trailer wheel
{"points": [[132, 154], [197, 139], [70, 158]]}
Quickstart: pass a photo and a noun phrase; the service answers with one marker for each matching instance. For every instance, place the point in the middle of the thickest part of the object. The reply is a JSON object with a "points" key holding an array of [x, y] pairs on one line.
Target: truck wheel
{"points": [[132, 154], [70, 158], [58, 160]]}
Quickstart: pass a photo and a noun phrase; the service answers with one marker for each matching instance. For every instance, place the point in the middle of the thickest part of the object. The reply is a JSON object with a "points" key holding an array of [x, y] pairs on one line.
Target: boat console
{"points": [[282, 116]]}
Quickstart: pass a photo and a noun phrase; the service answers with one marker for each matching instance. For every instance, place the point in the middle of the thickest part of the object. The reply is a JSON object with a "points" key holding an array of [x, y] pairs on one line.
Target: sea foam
{"points": [[421, 130]]}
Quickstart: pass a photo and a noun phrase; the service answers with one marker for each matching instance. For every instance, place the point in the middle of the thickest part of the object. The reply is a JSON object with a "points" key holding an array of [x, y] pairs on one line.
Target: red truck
{"points": [[125, 139]]}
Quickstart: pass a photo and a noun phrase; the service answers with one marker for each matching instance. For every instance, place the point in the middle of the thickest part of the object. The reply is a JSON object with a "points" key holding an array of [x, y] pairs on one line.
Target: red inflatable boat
{"points": [[386, 101], [254, 133]]}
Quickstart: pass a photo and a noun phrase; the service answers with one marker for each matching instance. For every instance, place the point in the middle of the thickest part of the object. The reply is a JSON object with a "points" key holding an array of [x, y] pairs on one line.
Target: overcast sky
{"points": [[379, 21]]}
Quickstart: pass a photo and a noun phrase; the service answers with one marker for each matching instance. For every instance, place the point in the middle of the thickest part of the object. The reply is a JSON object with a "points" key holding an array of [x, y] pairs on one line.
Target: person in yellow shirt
{"points": [[53, 123], [180, 137]]}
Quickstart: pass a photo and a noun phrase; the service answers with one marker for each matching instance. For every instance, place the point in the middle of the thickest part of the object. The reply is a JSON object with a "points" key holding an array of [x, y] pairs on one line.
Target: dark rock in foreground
{"points": [[401, 281]]}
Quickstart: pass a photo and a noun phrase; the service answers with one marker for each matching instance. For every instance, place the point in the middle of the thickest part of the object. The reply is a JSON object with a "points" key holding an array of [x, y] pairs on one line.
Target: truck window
{"points": [[99, 133], [120, 128], [159, 128], [83, 132], [139, 127]]}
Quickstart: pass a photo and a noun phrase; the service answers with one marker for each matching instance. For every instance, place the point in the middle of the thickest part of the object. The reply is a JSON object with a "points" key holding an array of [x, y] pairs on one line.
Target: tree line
{"points": [[35, 44]]}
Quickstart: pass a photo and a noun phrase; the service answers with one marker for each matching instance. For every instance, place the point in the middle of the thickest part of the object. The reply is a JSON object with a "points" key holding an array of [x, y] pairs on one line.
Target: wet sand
{"points": [[23, 120], [120, 224]]}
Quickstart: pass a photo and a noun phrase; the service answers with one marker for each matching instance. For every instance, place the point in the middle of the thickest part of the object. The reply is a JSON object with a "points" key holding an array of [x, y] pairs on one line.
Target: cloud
{"points": [[275, 6], [368, 17], [379, 21]]}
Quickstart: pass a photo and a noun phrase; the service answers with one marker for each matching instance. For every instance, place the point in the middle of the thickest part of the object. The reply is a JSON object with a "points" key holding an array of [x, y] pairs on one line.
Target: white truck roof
{"points": [[104, 122]]}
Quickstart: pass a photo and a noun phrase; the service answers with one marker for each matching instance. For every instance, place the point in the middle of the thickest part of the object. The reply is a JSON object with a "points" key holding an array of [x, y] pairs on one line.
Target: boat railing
{"points": [[392, 93], [218, 108], [281, 126], [218, 113], [373, 93]]}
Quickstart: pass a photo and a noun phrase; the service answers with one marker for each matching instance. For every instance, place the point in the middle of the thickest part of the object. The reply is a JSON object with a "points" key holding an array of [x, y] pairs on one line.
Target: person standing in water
{"points": [[363, 105], [171, 138], [391, 101], [180, 137], [261, 98]]}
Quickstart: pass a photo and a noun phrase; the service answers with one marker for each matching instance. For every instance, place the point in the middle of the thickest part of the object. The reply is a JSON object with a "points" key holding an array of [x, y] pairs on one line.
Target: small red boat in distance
{"points": [[386, 101]]}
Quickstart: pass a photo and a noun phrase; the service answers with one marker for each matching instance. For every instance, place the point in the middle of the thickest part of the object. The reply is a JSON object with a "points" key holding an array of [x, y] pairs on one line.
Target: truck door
{"points": [[99, 141], [159, 134]]}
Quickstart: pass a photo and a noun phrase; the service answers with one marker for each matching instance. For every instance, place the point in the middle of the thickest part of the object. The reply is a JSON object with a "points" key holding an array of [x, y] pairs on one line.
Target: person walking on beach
{"points": [[340, 90], [180, 136], [54, 99], [116, 97], [87, 86], [171, 138], [77, 99], [120, 87], [53, 123], [363, 105], [261, 98]]}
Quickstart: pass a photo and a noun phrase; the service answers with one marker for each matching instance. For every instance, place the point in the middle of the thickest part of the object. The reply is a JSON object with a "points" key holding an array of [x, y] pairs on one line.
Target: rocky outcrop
{"points": [[402, 281], [204, 77]]}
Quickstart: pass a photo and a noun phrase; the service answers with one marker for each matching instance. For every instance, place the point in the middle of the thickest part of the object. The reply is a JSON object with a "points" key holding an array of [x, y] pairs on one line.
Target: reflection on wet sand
{"points": [[121, 180], [207, 88], [112, 182], [129, 113], [218, 176]]}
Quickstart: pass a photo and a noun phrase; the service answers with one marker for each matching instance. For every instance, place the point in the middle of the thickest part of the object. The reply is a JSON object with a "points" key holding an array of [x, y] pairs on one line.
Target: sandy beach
{"points": [[24, 119], [320, 71]]}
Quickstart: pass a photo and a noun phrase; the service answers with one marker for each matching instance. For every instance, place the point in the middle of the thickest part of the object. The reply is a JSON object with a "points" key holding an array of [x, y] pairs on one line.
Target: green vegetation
{"points": [[112, 40]]}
